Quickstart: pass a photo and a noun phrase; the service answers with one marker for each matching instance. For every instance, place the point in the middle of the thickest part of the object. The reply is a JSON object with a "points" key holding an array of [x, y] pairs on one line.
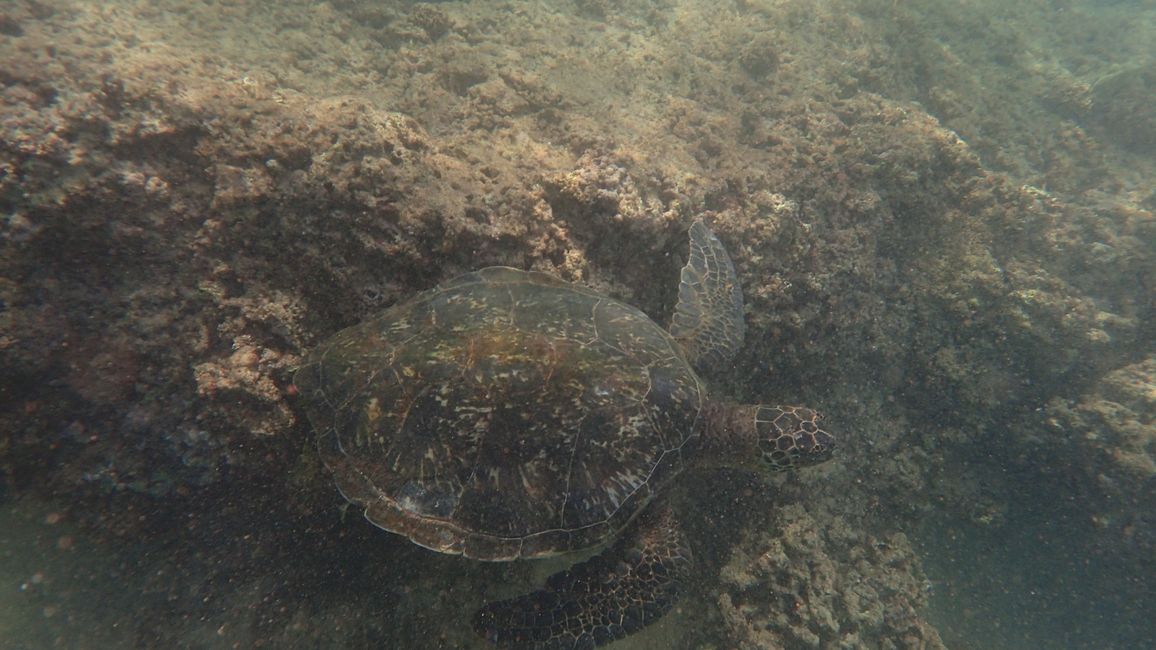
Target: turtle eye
{"points": [[822, 446]]}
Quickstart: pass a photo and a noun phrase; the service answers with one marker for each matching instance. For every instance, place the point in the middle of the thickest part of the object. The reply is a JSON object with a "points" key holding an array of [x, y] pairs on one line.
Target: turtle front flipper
{"points": [[605, 598], [708, 319]]}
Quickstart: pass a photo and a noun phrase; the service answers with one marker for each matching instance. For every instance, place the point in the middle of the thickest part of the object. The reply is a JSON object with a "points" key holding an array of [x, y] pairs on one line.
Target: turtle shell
{"points": [[506, 414]]}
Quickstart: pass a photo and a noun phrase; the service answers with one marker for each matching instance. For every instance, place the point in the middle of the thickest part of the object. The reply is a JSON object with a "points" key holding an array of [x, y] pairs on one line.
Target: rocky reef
{"points": [[826, 585], [943, 243], [1109, 434]]}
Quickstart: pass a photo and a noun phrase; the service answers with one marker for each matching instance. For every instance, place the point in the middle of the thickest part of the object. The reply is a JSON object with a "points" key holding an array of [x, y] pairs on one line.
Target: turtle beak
{"points": [[811, 448], [817, 447]]}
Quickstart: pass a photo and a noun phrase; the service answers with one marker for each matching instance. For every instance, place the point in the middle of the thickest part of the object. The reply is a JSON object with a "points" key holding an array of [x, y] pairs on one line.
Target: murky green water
{"points": [[941, 216]]}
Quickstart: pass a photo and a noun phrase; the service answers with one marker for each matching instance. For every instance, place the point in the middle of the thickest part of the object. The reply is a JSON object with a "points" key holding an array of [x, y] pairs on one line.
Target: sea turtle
{"points": [[508, 414]]}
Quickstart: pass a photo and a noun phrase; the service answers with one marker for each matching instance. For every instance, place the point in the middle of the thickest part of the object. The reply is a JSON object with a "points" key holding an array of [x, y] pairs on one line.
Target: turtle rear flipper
{"points": [[708, 319], [605, 598]]}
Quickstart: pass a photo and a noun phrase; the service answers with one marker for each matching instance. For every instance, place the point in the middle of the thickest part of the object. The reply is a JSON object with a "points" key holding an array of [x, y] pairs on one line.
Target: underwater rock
{"points": [[806, 585], [1122, 107], [1109, 437]]}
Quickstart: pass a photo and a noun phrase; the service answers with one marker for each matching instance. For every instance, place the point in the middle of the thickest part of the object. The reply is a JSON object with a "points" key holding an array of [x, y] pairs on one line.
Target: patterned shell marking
{"points": [[505, 414]]}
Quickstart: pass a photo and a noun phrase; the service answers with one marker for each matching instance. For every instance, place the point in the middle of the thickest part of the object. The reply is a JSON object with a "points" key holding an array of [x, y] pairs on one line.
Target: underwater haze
{"points": [[940, 217]]}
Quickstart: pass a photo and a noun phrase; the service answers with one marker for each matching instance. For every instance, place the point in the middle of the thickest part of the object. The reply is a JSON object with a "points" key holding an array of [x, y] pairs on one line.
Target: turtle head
{"points": [[790, 437]]}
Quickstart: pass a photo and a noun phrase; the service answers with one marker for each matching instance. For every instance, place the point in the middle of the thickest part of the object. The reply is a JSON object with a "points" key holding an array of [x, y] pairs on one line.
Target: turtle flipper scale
{"points": [[605, 598], [708, 319]]}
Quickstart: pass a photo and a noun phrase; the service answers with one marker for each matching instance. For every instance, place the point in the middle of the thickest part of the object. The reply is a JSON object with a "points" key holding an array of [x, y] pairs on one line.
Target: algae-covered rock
{"points": [[1122, 106], [1109, 434], [811, 585]]}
